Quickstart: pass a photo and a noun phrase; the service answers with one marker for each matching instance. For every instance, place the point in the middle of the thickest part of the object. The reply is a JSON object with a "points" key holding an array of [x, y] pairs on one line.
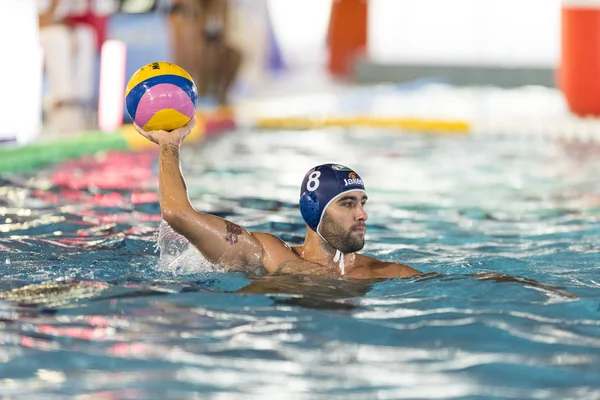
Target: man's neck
{"points": [[316, 250]]}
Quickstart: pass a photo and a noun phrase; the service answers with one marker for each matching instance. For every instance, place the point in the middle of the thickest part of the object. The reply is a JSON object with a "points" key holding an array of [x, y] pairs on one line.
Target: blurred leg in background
{"points": [[185, 23], [69, 57], [221, 60], [83, 40]]}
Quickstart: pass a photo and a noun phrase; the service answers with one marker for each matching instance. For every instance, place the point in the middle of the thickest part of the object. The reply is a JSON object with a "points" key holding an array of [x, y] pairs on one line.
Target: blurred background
{"points": [[75, 56]]}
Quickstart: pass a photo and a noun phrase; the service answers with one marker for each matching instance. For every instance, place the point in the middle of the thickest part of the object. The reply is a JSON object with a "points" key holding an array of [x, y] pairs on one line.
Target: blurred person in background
{"points": [[69, 58], [222, 60], [201, 45], [185, 23]]}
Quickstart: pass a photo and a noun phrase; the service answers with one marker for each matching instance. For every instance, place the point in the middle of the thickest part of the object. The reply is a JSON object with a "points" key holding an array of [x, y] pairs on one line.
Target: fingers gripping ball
{"points": [[161, 96]]}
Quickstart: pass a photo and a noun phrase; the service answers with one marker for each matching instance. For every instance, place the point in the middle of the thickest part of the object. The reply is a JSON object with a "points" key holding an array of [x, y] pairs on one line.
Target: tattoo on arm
{"points": [[170, 148], [173, 149], [233, 233]]}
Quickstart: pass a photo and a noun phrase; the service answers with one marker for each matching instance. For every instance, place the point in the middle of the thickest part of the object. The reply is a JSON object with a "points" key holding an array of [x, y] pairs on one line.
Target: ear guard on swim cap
{"points": [[321, 185], [309, 208]]}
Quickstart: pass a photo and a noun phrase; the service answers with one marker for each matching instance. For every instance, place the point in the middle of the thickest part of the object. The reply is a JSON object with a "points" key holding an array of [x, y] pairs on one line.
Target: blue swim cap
{"points": [[323, 184]]}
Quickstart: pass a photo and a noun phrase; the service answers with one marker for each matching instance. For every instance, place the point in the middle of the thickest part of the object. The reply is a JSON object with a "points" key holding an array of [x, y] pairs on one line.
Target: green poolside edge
{"points": [[40, 154]]}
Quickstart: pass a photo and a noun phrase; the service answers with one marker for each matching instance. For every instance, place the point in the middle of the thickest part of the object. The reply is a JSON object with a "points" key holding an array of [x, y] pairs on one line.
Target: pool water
{"points": [[100, 299]]}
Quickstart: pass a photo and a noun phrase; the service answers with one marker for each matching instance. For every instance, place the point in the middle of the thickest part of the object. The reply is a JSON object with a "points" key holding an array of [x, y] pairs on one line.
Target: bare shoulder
{"points": [[382, 269], [269, 240], [275, 251]]}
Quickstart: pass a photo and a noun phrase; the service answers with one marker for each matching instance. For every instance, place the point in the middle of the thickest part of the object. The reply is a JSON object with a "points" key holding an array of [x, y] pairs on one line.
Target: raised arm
{"points": [[219, 240]]}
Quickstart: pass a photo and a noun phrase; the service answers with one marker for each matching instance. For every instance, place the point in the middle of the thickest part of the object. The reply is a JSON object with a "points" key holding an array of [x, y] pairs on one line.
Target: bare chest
{"points": [[303, 267]]}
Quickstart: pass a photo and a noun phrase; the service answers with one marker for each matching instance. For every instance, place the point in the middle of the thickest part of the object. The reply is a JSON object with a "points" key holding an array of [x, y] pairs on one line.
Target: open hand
{"points": [[174, 136]]}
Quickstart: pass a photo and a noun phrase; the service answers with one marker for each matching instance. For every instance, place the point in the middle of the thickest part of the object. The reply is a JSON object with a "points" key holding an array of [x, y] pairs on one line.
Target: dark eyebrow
{"points": [[352, 197]]}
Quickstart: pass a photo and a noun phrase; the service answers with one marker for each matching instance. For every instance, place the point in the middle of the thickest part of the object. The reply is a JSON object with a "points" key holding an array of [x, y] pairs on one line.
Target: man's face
{"points": [[344, 223]]}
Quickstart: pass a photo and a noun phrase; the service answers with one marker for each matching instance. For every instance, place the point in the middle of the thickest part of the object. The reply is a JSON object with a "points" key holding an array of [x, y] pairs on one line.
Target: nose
{"points": [[361, 214]]}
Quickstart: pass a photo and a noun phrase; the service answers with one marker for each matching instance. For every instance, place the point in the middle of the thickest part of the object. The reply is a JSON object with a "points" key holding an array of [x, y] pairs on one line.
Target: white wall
{"points": [[301, 29], [492, 32], [20, 71], [495, 32]]}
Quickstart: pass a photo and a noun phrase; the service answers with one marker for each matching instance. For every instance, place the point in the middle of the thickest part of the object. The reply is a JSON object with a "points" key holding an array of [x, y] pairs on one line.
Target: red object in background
{"points": [[579, 72], [97, 22], [347, 36], [114, 170]]}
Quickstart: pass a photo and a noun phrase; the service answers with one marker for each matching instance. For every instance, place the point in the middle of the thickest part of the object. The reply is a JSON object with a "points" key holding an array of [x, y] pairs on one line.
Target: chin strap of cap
{"points": [[339, 256]]}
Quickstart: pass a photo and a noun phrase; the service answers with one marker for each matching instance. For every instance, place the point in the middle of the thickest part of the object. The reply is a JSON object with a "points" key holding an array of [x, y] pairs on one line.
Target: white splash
{"points": [[178, 255]]}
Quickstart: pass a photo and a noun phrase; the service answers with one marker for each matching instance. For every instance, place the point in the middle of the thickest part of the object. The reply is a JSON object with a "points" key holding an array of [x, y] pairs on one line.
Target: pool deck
{"points": [[425, 106]]}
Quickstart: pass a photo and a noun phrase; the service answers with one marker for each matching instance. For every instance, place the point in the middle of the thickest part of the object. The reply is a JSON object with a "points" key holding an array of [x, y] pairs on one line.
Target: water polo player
{"points": [[332, 200]]}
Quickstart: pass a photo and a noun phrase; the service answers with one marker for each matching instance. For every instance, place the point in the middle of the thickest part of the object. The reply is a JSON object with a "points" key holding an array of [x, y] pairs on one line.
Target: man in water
{"points": [[332, 202]]}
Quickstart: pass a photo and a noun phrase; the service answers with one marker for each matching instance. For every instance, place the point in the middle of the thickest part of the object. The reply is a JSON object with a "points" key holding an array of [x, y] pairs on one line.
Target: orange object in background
{"points": [[579, 73], [347, 36]]}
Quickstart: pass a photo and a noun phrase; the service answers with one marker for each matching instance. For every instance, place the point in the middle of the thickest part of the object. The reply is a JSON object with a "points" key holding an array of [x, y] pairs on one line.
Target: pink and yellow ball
{"points": [[161, 96]]}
